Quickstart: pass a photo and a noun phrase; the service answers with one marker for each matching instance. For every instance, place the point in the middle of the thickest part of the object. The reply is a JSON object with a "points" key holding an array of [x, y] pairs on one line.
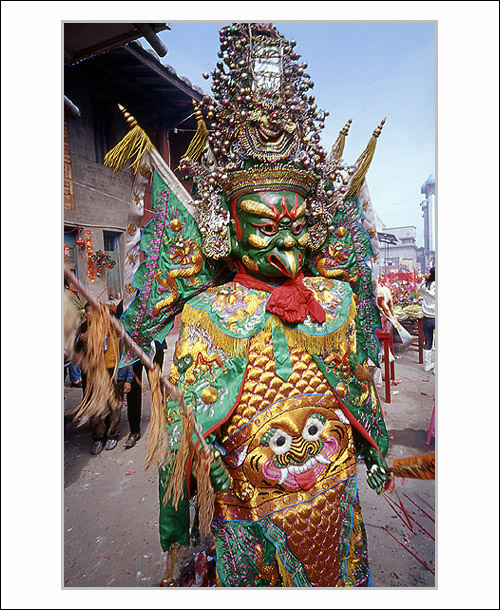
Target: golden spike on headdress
{"points": [[363, 163], [338, 147], [199, 140], [132, 147]]}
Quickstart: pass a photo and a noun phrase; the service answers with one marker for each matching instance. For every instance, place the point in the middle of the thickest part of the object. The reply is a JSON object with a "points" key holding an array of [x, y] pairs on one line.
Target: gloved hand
{"points": [[219, 476], [378, 470]]}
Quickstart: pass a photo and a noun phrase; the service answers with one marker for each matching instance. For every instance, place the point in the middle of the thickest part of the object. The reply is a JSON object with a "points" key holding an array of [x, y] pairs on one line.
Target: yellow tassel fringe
{"points": [[363, 163], [175, 489], [286, 577], [200, 138], [158, 450], [235, 347], [131, 148], [314, 345], [205, 491], [100, 397], [231, 345], [338, 147]]}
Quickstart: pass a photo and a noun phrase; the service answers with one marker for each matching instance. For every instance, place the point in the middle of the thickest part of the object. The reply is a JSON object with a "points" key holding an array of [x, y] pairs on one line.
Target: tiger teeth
{"points": [[311, 462], [322, 459]]}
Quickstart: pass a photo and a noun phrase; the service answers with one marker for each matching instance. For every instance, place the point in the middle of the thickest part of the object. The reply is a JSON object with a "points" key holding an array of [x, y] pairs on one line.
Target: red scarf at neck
{"points": [[291, 301]]}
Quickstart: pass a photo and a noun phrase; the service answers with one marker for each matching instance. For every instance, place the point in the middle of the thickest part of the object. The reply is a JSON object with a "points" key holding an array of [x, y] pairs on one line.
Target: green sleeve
{"points": [[174, 524]]}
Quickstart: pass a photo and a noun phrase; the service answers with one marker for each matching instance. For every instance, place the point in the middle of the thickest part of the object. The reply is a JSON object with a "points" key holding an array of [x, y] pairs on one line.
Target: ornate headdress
{"points": [[259, 131], [265, 135]]}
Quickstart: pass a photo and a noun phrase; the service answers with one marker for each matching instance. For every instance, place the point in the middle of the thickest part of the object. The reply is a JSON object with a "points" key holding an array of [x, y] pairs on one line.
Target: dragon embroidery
{"points": [[184, 255]]}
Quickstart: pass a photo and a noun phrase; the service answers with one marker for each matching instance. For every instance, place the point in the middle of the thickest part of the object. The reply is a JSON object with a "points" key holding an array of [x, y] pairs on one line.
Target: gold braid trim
{"points": [[198, 318], [132, 147], [158, 451], [236, 347], [363, 163]]}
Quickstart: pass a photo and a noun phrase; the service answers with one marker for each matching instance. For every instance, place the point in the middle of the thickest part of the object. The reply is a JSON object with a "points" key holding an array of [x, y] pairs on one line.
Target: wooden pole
{"points": [[420, 327]]}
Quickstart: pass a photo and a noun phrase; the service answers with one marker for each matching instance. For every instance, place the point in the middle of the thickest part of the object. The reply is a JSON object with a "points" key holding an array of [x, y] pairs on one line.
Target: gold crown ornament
{"points": [[261, 131]]}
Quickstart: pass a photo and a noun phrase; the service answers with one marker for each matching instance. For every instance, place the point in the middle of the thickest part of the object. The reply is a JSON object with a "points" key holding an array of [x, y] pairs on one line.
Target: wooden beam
{"points": [[164, 74], [153, 39]]}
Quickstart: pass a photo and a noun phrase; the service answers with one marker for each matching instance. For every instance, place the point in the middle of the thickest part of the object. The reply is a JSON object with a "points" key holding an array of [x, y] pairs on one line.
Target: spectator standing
{"points": [[70, 366], [427, 290], [134, 397]]}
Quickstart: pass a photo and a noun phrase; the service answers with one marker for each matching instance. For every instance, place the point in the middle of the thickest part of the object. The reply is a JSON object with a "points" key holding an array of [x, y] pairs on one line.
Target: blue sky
{"points": [[363, 71]]}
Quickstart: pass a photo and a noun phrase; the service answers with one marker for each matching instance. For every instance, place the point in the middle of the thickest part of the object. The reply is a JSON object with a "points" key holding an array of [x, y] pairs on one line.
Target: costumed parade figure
{"points": [[270, 263]]}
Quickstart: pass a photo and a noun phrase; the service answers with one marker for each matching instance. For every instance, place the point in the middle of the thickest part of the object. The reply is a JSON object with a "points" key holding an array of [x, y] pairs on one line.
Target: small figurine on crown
{"points": [[268, 263]]}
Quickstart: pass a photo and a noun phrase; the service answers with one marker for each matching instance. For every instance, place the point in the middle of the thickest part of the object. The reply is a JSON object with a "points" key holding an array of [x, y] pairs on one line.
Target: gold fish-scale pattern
{"points": [[313, 534], [262, 386]]}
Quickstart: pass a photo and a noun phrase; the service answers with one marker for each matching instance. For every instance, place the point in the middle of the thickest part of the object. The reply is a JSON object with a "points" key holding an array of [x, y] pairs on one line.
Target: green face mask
{"points": [[269, 234]]}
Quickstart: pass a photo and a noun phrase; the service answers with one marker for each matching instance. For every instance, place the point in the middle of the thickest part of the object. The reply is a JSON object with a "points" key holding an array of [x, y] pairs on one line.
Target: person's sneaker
{"points": [[97, 447], [131, 440], [111, 444], [76, 384]]}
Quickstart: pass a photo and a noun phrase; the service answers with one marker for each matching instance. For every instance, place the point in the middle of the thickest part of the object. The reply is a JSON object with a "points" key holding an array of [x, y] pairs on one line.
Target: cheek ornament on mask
{"points": [[250, 263], [257, 242]]}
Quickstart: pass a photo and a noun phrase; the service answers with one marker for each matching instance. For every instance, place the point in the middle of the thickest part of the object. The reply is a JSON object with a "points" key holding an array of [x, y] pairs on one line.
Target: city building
{"points": [[400, 250]]}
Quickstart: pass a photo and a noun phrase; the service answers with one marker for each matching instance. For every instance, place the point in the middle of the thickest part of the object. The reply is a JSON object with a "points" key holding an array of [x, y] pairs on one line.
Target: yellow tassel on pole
{"points": [[131, 148], [199, 140], [174, 553], [338, 147], [363, 163]]}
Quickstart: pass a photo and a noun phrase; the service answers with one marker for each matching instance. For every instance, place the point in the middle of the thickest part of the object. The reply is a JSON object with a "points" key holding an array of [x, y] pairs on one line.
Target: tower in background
{"points": [[428, 189]]}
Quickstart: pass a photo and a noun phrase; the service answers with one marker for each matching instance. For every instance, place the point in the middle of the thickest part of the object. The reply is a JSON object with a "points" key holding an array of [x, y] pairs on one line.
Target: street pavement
{"points": [[110, 505]]}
